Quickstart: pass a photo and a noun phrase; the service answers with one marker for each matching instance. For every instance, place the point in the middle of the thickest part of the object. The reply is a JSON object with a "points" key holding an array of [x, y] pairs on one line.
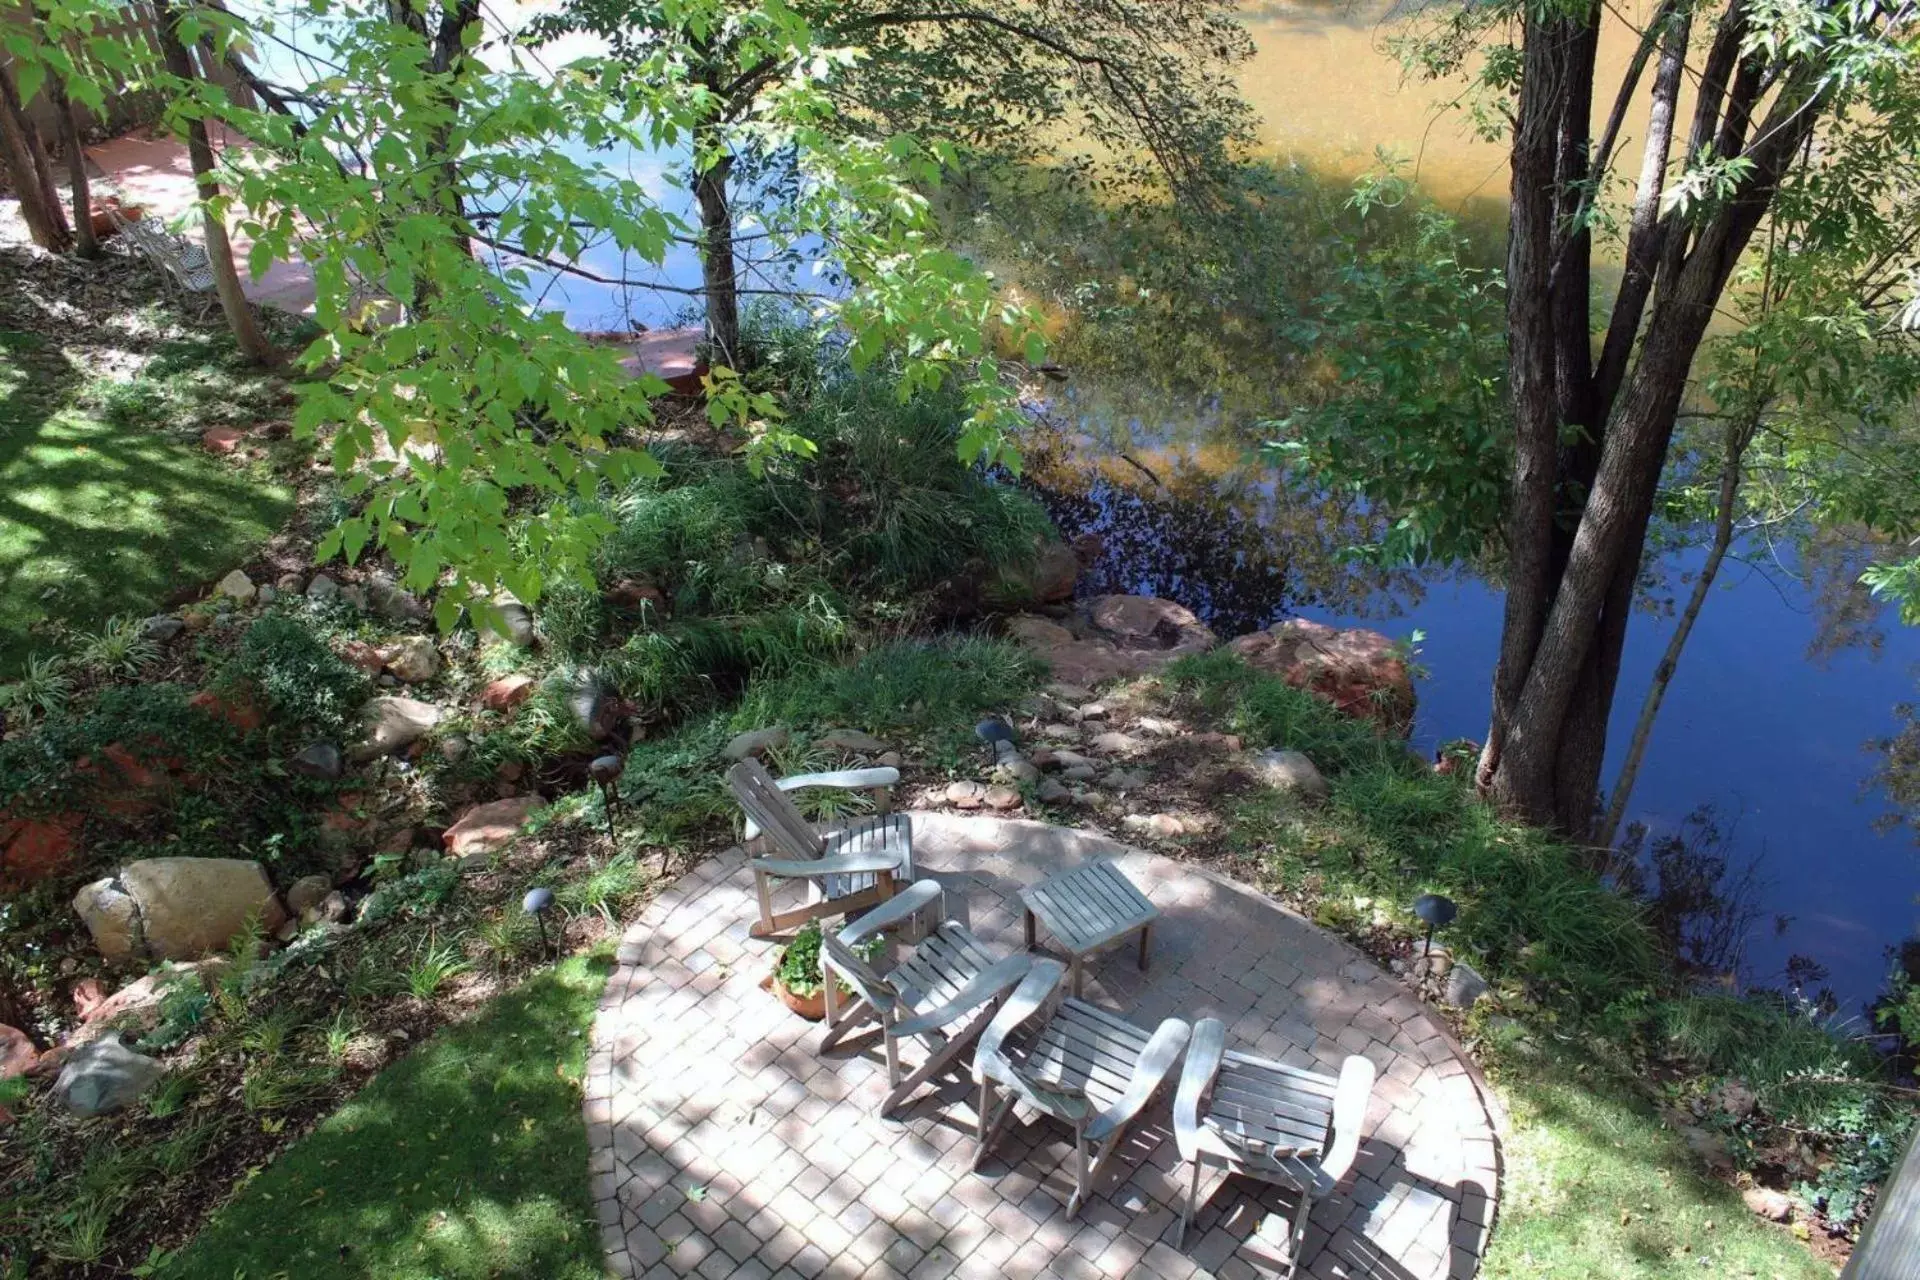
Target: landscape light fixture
{"points": [[535, 904], [998, 736], [606, 771], [1438, 912]]}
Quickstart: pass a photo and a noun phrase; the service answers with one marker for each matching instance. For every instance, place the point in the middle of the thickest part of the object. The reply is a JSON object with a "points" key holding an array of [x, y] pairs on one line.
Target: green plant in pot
{"points": [[797, 978]]}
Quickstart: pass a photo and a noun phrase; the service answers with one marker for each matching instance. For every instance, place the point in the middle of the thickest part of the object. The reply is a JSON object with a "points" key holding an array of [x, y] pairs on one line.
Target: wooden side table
{"points": [[1086, 910]]}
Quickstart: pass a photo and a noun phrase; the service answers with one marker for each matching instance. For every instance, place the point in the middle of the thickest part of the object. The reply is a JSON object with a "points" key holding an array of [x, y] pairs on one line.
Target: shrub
{"points": [[903, 685], [302, 680]]}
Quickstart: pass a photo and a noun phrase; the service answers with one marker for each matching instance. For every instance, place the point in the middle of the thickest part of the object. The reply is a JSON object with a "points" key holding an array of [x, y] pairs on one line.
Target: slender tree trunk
{"points": [[717, 265], [84, 242], [1738, 438], [226, 280], [28, 172]]}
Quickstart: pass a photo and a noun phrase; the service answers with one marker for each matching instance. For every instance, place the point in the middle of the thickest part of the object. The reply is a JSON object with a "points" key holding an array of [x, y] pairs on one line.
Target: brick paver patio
{"points": [[724, 1146]]}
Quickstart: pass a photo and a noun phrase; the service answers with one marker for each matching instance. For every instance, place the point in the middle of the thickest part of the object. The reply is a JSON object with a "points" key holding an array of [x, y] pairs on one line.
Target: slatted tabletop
{"points": [[1086, 909]]}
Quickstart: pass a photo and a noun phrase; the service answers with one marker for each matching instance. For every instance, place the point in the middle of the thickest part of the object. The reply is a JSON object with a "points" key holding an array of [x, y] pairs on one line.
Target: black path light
{"points": [[606, 771], [1438, 912], [536, 904]]}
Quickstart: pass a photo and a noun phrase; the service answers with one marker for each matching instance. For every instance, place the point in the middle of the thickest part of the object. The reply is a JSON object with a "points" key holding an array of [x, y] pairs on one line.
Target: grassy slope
{"points": [[1595, 1186], [97, 519], [467, 1158]]}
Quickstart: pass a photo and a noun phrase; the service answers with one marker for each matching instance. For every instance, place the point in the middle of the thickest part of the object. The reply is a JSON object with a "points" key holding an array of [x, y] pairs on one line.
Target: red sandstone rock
{"points": [[222, 439], [1113, 636], [1361, 673], [506, 693], [236, 710], [486, 828], [31, 849]]}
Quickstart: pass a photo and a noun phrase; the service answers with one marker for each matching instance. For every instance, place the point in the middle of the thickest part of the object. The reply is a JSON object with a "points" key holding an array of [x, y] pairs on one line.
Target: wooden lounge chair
{"points": [[1269, 1121], [847, 868], [1080, 1065], [183, 260], [944, 991]]}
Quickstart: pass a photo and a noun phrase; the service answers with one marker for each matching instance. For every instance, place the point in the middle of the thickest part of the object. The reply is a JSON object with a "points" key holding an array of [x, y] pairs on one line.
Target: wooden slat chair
{"points": [[1271, 1122], [847, 868], [186, 262], [944, 991], [1074, 1062]]}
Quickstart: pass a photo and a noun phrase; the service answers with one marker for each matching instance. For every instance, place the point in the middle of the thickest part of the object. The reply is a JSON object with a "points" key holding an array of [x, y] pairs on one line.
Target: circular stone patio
{"points": [[723, 1145]]}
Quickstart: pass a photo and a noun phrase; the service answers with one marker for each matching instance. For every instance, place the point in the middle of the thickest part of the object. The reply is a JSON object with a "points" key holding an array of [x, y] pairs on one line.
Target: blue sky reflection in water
{"points": [[1775, 741]]}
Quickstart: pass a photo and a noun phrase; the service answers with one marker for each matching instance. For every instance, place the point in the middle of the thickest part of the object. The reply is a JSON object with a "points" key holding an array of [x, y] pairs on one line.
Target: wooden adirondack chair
{"points": [[1269, 1121], [847, 868], [183, 260], [944, 991], [1074, 1062]]}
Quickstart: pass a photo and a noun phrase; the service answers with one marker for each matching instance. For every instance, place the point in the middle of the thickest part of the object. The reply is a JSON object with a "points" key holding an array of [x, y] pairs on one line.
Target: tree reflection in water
{"points": [[1205, 524]]}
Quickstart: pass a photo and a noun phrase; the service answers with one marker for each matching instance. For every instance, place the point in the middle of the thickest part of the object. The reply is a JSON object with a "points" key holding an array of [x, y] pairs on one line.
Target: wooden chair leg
{"points": [[1082, 1173], [764, 892], [893, 1049], [1298, 1235], [1146, 945], [1193, 1203]]}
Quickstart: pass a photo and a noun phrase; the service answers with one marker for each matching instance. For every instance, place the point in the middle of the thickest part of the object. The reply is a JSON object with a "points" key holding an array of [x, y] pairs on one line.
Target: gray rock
{"points": [[413, 659], [1158, 728], [756, 742], [392, 724], [1064, 760], [1124, 780], [323, 590], [1059, 733], [162, 627], [392, 601], [851, 740], [268, 594], [1116, 743], [890, 759], [288, 583], [1733, 1098], [1091, 711], [1465, 986], [966, 795], [104, 1076], [454, 747], [237, 587], [355, 596], [321, 760], [514, 625], [1078, 773], [593, 704], [1070, 693], [1291, 772], [307, 893], [1052, 791], [112, 917], [1016, 770]]}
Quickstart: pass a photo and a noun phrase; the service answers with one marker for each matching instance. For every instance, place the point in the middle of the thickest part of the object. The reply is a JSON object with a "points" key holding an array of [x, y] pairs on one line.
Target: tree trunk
{"points": [[1578, 516], [84, 242], [28, 171], [1730, 471], [226, 280], [717, 266]]}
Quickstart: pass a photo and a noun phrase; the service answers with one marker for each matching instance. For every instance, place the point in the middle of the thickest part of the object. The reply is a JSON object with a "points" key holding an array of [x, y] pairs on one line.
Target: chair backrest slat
{"points": [[773, 812]]}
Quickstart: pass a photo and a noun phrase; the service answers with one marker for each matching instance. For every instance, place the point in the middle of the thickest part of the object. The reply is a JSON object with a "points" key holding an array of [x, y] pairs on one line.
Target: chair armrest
{"points": [[1204, 1052], [845, 779], [1349, 1114], [986, 986], [1157, 1061], [1042, 979], [897, 910], [817, 868]]}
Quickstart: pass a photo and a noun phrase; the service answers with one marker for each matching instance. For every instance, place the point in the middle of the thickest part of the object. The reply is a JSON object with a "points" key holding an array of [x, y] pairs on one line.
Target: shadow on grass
{"points": [[467, 1158], [97, 519]]}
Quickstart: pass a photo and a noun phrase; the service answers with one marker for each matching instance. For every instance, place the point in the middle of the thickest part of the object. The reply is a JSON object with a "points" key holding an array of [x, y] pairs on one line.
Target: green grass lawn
{"points": [[467, 1158], [100, 515], [1596, 1186]]}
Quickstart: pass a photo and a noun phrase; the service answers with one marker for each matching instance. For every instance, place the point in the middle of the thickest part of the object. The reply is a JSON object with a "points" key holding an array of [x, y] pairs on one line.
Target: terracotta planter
{"points": [[813, 1008]]}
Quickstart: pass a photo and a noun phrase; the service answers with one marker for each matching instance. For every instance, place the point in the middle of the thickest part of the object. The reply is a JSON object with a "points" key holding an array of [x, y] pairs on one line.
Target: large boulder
{"points": [[413, 659], [1113, 636], [1362, 673], [1290, 772], [756, 742], [176, 908], [392, 724], [104, 1076], [1049, 579]]}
